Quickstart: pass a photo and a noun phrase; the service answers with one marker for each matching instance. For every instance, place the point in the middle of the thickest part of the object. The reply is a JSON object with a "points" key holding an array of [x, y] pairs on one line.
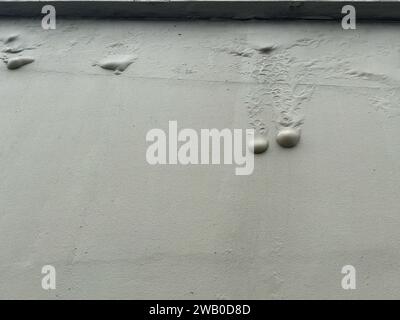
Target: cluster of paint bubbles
{"points": [[286, 138]]}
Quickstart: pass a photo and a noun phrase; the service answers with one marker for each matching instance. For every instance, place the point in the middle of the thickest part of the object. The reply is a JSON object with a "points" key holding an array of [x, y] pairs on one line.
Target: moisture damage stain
{"points": [[278, 86], [116, 63], [285, 83], [278, 91], [284, 80]]}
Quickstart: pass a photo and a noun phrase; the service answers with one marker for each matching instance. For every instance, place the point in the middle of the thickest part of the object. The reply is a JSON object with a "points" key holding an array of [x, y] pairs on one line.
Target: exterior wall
{"points": [[76, 191]]}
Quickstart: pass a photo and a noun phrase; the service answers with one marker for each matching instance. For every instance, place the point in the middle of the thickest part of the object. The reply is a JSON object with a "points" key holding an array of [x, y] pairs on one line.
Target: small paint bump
{"points": [[288, 137], [259, 144], [16, 49], [17, 62], [12, 50], [267, 48], [116, 63], [10, 38]]}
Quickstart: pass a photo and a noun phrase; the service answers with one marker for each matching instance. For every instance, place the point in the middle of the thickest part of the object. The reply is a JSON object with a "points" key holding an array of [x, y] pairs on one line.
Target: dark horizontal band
{"points": [[263, 9]]}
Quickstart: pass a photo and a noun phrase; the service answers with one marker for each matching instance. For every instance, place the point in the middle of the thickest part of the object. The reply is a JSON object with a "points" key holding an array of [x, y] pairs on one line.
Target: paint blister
{"points": [[258, 144], [288, 137], [18, 62]]}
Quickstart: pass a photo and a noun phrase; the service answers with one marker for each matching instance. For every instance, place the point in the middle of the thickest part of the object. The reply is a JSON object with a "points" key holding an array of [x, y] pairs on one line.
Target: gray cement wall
{"points": [[76, 191]]}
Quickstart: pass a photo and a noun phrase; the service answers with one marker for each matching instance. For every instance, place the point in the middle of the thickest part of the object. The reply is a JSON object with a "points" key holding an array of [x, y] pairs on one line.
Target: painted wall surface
{"points": [[76, 191]]}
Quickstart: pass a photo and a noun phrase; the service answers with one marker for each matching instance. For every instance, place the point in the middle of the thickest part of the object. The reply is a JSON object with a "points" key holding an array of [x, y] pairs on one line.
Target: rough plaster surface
{"points": [[76, 191]]}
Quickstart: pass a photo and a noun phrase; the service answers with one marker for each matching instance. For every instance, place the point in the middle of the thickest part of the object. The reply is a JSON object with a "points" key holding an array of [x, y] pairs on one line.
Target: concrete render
{"points": [[77, 193]]}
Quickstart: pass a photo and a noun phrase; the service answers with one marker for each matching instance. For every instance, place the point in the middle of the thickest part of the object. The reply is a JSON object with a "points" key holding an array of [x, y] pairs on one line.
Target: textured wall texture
{"points": [[76, 191]]}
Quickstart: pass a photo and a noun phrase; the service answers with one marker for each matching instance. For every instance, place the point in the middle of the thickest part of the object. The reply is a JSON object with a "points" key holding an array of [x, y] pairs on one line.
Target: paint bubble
{"points": [[116, 63], [267, 48], [288, 137], [10, 38], [17, 62], [12, 50], [17, 49], [259, 144]]}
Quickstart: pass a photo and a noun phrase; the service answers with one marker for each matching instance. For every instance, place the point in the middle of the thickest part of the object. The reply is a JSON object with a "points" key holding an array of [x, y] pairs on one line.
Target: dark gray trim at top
{"points": [[214, 9]]}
